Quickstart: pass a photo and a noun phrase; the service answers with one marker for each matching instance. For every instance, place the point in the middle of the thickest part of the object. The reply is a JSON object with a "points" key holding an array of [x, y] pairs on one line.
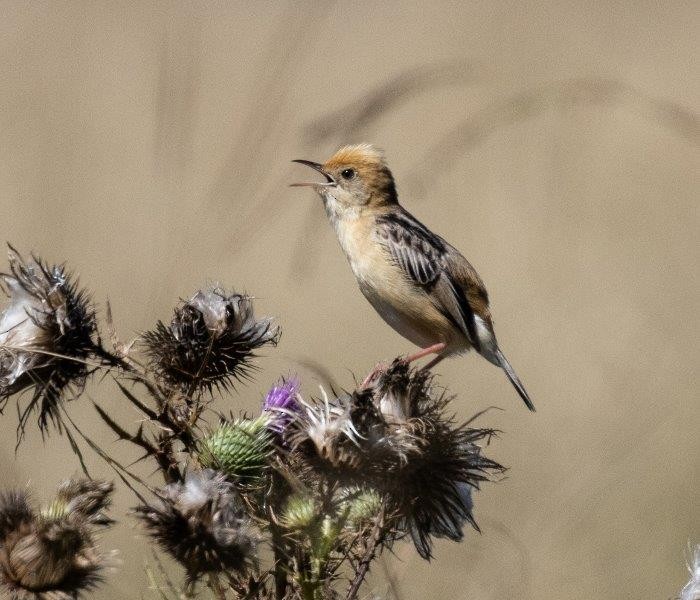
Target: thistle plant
{"points": [[209, 342], [297, 501]]}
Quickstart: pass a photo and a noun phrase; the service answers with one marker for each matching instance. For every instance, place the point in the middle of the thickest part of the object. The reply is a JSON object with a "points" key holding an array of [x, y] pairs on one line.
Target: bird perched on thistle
{"points": [[417, 282]]}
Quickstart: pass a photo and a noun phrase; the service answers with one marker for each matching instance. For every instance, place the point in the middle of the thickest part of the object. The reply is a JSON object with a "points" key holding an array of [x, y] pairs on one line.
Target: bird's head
{"points": [[356, 177]]}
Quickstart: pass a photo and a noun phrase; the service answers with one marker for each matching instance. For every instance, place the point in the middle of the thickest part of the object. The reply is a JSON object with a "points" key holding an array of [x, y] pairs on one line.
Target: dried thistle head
{"points": [[47, 332], [52, 555], [87, 498], [400, 393], [203, 525], [691, 591], [428, 465], [432, 493], [396, 439], [209, 343]]}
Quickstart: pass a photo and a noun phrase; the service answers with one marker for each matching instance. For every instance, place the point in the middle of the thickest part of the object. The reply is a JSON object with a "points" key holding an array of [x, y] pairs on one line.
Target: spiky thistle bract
{"points": [[240, 448]]}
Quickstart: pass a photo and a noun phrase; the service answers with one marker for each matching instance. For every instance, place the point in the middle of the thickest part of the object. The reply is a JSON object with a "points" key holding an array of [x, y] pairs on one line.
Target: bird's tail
{"points": [[517, 384]]}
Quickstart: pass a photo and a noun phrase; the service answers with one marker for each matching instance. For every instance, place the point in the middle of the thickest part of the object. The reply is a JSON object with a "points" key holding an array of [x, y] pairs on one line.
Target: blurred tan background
{"points": [[555, 143]]}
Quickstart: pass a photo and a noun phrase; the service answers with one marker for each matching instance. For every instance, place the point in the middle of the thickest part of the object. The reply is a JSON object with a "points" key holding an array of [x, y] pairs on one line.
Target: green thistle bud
{"points": [[241, 449], [300, 512], [363, 506]]}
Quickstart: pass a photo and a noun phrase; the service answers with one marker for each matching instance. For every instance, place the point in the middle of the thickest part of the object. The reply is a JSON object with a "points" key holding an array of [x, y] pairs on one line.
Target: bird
{"points": [[418, 283]]}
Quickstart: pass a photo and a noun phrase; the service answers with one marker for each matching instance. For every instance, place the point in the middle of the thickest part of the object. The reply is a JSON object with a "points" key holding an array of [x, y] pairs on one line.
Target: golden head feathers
{"points": [[359, 155]]}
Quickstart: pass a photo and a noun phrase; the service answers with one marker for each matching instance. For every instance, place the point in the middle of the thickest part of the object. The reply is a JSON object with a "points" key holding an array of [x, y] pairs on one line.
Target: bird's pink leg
{"points": [[434, 349]]}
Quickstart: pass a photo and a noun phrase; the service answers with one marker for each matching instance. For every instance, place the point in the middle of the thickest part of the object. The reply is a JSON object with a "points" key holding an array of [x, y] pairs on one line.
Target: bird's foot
{"points": [[378, 369], [381, 367]]}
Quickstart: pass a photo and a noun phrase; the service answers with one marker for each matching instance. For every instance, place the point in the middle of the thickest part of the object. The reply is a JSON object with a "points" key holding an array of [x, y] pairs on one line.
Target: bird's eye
{"points": [[347, 173]]}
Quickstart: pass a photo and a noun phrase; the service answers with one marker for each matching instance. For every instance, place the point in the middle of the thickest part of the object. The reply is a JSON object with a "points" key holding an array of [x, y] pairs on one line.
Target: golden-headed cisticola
{"points": [[419, 284]]}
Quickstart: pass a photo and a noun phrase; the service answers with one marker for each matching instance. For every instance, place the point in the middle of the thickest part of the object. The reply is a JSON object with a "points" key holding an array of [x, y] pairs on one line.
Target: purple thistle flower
{"points": [[281, 403]]}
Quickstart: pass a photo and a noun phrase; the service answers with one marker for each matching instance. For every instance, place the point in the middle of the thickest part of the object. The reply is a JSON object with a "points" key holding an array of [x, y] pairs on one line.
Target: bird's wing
{"points": [[413, 248], [430, 262]]}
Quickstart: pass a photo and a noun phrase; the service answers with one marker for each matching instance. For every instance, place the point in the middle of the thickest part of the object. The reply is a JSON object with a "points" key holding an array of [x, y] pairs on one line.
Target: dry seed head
{"points": [[325, 430], [691, 591], [202, 524], [51, 555], [396, 439], [47, 334], [209, 343]]}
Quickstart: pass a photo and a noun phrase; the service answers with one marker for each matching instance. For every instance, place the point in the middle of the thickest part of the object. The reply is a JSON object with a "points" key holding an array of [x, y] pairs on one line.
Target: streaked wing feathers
{"points": [[424, 258], [420, 260]]}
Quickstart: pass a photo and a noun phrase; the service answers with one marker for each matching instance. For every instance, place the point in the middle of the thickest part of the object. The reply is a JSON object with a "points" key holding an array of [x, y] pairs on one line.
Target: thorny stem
{"points": [[166, 459], [163, 451], [363, 566], [165, 455], [280, 559]]}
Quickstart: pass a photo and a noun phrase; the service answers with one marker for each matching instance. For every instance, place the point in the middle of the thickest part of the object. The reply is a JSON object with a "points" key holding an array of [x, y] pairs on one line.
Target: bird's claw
{"points": [[378, 369]]}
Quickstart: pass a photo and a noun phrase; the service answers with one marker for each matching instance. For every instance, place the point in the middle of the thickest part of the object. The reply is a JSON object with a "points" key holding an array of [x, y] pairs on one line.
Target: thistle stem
{"points": [[363, 566], [280, 572]]}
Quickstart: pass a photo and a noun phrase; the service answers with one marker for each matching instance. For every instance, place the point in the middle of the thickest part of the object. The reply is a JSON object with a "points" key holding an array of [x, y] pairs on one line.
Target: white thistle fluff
{"points": [[199, 488], [20, 332], [326, 424], [691, 591]]}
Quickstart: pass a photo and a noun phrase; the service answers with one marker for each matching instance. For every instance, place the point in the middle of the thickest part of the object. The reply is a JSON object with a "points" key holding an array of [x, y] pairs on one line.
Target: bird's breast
{"points": [[361, 249]]}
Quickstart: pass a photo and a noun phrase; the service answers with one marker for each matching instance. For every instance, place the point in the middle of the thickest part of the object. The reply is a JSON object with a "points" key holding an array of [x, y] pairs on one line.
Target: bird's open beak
{"points": [[329, 180]]}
